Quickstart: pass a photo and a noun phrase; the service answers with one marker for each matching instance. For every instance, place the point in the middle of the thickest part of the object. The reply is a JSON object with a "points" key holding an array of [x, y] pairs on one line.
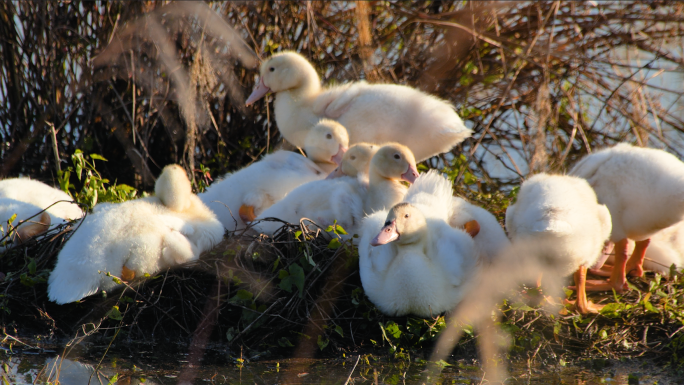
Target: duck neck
{"points": [[294, 125], [416, 245], [383, 193]]}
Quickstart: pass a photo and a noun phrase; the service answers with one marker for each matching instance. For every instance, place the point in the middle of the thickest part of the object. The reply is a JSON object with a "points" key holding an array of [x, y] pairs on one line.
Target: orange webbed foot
{"points": [[127, 275], [247, 213]]}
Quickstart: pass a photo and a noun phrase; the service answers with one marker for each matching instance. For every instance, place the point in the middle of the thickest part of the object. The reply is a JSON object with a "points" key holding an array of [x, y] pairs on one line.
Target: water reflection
{"points": [[24, 369]]}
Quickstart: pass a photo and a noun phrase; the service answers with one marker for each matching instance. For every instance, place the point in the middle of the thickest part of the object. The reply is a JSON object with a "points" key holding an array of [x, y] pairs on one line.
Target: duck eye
{"points": [[329, 136], [396, 156], [353, 157], [272, 69], [406, 216]]}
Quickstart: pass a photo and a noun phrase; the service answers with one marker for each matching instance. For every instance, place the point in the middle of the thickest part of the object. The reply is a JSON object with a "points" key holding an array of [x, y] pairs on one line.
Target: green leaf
{"points": [[244, 295], [32, 266], [612, 310], [322, 343], [114, 379], [340, 230], [392, 329], [297, 275], [98, 157], [334, 244], [284, 342], [338, 330], [115, 314]]}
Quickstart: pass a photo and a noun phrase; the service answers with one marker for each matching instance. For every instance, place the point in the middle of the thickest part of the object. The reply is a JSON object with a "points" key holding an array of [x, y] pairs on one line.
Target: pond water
{"points": [[153, 365]]}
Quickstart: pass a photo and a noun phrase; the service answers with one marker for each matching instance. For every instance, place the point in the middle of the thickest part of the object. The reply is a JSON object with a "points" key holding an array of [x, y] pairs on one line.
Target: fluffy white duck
{"points": [[374, 113], [392, 164], [564, 210], [239, 197], [482, 225], [644, 190], [410, 259], [134, 238], [27, 198], [356, 162], [343, 199], [666, 249]]}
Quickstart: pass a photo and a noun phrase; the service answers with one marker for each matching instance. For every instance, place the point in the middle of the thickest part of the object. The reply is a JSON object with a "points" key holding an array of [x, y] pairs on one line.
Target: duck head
{"points": [[395, 161], [281, 72], [355, 161], [326, 142], [405, 224], [173, 188]]}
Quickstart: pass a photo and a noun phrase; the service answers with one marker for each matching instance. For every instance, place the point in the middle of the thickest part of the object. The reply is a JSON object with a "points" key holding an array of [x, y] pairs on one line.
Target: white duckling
{"points": [[410, 260], [487, 233], [374, 113], [239, 197], [665, 249], [644, 190], [342, 199], [564, 211], [490, 238], [326, 144], [27, 198], [356, 162], [134, 238], [391, 164]]}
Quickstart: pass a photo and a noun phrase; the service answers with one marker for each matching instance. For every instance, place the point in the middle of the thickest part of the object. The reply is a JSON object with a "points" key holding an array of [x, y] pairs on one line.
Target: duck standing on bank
{"points": [[563, 211], [373, 113], [644, 190]]}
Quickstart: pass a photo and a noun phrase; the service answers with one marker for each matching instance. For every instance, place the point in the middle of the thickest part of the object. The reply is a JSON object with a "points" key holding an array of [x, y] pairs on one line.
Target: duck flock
{"points": [[419, 247]]}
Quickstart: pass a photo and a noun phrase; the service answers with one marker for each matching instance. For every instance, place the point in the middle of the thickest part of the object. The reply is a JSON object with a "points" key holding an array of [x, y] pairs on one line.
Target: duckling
{"points": [[487, 233], [644, 190], [134, 238], [338, 199], [326, 144], [356, 162], [564, 211], [374, 113], [411, 261], [27, 198], [390, 165]]}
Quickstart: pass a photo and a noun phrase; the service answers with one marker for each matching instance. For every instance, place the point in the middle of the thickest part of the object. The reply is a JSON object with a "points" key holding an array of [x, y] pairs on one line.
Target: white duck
{"points": [[27, 198], [665, 249], [343, 199], [356, 162], [374, 113], [390, 165], [239, 197], [564, 210], [644, 190], [134, 238], [411, 261], [482, 225]]}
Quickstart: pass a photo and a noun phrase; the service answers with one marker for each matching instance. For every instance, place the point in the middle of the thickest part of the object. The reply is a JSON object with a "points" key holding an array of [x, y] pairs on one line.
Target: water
{"points": [[154, 365]]}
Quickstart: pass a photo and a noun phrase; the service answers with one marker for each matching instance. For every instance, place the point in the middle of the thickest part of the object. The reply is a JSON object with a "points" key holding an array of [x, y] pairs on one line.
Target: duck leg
{"points": [[600, 268], [246, 213], [635, 264], [617, 280], [582, 304]]}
